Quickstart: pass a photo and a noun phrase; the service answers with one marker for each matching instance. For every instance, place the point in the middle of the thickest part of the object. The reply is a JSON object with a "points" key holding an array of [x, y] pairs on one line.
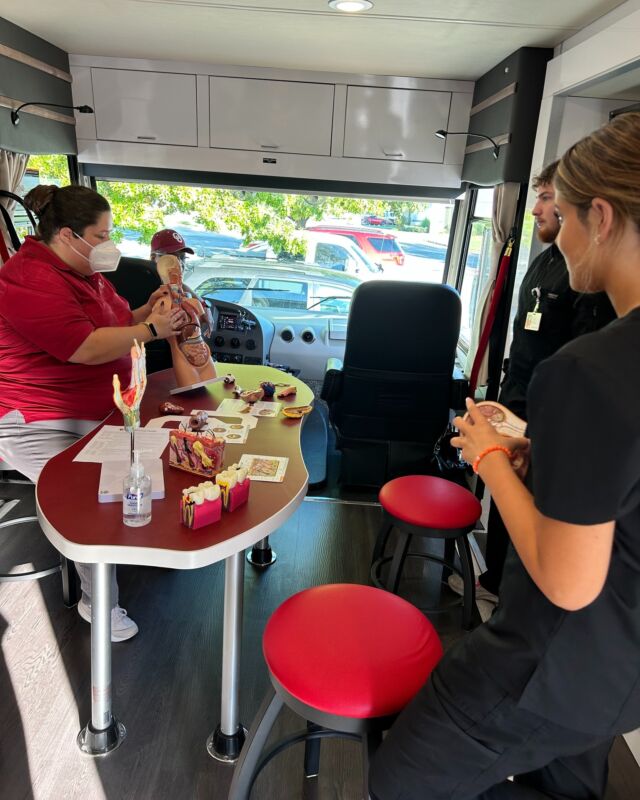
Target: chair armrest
{"points": [[332, 384], [459, 390]]}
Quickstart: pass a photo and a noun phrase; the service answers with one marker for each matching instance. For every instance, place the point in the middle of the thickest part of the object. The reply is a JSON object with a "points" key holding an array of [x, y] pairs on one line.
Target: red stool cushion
{"points": [[350, 650], [430, 502]]}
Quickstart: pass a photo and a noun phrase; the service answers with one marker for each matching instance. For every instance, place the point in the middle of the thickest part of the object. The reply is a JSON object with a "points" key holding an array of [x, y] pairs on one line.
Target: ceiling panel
{"points": [[458, 39]]}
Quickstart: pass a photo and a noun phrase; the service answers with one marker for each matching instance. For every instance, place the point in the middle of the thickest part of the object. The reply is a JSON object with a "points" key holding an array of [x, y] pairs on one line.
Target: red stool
{"points": [[421, 505], [347, 659]]}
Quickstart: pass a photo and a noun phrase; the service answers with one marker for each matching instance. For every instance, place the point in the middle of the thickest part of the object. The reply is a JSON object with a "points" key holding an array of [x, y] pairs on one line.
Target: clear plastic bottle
{"points": [[136, 495]]}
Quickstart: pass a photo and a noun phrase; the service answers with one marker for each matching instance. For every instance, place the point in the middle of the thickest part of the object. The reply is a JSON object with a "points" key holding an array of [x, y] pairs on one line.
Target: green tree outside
{"points": [[258, 216]]}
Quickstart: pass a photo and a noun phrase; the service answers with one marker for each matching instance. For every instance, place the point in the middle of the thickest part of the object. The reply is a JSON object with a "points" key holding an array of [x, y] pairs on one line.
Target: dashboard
{"points": [[239, 336], [300, 341]]}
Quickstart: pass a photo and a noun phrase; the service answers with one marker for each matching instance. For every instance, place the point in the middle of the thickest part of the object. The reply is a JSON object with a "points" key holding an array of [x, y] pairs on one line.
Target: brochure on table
{"points": [[260, 409], [113, 443], [113, 474]]}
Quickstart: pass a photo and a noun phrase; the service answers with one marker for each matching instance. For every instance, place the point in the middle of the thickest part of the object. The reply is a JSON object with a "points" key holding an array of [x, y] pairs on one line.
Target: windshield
{"points": [[272, 286]]}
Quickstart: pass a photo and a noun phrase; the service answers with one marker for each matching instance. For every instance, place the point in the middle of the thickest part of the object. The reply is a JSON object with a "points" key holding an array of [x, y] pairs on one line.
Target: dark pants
{"points": [[513, 396], [462, 742]]}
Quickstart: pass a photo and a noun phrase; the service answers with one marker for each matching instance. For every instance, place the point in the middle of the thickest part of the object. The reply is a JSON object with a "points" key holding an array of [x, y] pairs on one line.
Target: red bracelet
{"points": [[491, 449]]}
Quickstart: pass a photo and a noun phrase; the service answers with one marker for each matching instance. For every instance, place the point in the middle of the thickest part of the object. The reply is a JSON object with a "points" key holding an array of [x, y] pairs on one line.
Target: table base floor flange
{"points": [[99, 743], [226, 747]]}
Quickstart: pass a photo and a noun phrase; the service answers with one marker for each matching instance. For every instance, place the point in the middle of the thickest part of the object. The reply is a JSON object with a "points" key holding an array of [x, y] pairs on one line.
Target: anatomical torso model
{"points": [[192, 361]]}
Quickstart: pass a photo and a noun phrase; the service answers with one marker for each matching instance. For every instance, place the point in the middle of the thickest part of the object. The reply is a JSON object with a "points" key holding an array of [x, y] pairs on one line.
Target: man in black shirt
{"points": [[549, 314]]}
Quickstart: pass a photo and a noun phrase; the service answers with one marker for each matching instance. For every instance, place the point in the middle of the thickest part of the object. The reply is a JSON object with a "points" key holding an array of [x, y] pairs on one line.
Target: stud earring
{"points": [[596, 239]]}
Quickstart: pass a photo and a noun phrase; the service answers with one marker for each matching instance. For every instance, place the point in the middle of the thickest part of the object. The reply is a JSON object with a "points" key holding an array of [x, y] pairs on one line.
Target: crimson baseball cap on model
{"points": [[168, 241]]}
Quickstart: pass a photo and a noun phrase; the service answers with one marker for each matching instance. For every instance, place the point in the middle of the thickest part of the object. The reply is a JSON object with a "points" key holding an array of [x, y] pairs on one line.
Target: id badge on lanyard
{"points": [[534, 318]]}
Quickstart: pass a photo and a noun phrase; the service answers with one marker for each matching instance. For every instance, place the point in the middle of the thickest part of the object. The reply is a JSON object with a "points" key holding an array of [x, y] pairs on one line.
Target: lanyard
{"points": [[537, 294], [534, 318]]}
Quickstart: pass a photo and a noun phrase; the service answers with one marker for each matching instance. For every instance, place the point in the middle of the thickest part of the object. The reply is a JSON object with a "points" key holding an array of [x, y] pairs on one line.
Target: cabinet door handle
{"points": [[147, 138], [270, 146], [392, 155]]}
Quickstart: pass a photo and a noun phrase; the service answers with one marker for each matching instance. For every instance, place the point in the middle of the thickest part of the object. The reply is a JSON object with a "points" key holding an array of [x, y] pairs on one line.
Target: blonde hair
{"points": [[605, 164]]}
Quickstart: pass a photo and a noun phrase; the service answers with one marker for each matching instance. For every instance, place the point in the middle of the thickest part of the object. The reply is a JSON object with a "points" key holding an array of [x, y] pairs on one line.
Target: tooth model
{"points": [[234, 486], [201, 505]]}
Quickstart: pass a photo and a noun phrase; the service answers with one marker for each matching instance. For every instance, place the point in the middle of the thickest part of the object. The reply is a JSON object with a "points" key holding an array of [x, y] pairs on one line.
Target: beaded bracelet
{"points": [[492, 448]]}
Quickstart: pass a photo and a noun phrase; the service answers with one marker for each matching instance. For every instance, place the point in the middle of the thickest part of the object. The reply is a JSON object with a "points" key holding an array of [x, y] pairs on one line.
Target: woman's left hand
{"points": [[476, 433], [159, 294]]}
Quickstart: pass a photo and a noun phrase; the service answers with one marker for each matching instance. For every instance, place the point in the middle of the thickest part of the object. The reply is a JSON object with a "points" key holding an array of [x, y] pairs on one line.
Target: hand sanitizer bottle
{"points": [[136, 495]]}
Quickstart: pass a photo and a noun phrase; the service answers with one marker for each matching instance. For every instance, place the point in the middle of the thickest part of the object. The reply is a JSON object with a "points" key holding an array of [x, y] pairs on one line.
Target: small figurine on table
{"points": [[252, 396], [198, 421], [229, 379], [269, 389]]}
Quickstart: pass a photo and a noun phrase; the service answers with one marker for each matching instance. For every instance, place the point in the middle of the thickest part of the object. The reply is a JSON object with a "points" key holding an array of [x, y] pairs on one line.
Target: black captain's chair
{"points": [[135, 280], [391, 399]]}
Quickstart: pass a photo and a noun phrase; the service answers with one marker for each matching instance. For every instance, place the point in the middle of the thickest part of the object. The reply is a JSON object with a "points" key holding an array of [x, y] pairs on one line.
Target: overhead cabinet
{"points": [[149, 107], [395, 124], [271, 116]]}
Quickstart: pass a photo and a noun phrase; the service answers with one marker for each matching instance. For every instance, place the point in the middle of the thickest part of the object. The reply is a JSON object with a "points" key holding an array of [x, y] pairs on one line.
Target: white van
{"points": [[330, 251]]}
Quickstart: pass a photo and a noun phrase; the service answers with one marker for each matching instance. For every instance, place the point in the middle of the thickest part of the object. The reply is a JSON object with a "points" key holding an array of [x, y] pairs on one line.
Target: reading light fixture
{"points": [[15, 116], [443, 135], [351, 6]]}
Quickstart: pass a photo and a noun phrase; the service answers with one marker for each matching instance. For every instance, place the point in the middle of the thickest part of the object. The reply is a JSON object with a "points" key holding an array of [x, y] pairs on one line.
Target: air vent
{"points": [[286, 335], [308, 336]]}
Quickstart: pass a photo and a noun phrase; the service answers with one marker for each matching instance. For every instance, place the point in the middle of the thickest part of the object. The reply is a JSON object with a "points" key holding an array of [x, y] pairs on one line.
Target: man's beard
{"points": [[547, 235]]}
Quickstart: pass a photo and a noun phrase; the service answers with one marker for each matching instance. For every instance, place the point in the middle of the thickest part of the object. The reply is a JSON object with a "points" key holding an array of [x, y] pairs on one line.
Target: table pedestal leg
{"points": [[261, 555], [103, 733], [225, 743]]}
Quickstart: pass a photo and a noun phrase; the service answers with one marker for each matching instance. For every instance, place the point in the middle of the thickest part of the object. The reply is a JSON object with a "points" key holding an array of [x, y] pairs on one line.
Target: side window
{"points": [[331, 256], [477, 262]]}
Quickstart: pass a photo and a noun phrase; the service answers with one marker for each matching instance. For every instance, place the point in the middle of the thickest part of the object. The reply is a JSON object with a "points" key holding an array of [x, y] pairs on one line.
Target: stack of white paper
{"points": [[112, 477]]}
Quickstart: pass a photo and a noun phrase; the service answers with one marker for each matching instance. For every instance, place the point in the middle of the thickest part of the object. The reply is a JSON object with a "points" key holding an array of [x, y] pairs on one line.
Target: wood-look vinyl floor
{"points": [[166, 681]]}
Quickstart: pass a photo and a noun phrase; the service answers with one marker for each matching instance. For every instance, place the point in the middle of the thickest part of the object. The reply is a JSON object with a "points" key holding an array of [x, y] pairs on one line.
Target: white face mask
{"points": [[104, 257]]}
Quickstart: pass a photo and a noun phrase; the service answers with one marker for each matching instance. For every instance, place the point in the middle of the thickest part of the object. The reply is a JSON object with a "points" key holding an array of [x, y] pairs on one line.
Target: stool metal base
{"points": [[99, 743], [226, 747], [401, 553], [261, 557], [376, 581]]}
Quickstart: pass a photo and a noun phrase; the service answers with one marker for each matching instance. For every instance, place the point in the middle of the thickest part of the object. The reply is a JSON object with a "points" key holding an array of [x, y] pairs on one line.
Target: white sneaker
{"points": [[456, 584], [122, 626]]}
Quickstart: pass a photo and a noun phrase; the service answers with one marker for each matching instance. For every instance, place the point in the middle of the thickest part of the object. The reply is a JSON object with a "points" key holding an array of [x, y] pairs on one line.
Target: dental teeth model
{"points": [[201, 505], [234, 486]]}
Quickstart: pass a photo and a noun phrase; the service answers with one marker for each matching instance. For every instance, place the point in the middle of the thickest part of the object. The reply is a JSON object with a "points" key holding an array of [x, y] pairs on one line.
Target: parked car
{"points": [[272, 285], [381, 248], [372, 219]]}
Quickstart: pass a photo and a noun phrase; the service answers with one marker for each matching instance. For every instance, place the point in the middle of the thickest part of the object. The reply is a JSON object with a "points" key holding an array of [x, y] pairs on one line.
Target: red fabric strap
{"points": [[503, 271]]}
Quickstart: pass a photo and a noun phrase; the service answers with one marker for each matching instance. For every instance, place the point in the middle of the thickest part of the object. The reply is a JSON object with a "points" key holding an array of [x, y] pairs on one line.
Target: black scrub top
{"points": [[580, 669], [565, 315]]}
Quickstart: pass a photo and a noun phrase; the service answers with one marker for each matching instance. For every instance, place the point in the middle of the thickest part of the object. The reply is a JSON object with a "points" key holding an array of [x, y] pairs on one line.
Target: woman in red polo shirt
{"points": [[64, 332]]}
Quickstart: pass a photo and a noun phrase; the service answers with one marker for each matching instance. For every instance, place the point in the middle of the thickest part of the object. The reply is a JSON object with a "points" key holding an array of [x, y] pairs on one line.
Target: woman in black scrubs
{"points": [[540, 690]]}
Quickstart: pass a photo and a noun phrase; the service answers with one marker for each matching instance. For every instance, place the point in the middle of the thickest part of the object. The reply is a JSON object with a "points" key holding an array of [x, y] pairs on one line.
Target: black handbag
{"points": [[446, 457]]}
